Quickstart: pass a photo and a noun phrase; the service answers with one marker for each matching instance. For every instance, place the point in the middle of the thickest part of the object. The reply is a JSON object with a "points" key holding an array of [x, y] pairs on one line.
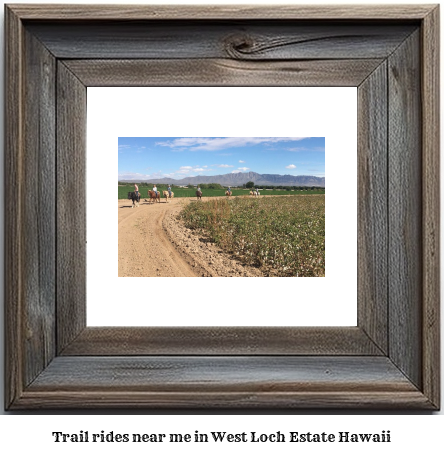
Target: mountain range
{"points": [[239, 179]]}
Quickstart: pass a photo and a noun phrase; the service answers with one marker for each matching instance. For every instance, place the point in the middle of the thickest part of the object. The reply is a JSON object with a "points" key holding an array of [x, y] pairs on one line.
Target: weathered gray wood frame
{"points": [[390, 360]]}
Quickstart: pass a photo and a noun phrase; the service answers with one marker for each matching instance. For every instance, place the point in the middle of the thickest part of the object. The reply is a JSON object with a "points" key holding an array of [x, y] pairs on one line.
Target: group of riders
{"points": [[136, 190]]}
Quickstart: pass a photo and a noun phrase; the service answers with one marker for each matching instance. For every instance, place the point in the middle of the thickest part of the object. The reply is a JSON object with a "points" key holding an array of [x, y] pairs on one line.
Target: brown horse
{"points": [[153, 196], [227, 193], [199, 195]]}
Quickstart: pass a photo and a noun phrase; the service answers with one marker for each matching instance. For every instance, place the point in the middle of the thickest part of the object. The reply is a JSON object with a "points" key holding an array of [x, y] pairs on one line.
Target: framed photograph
{"points": [[161, 256], [57, 54]]}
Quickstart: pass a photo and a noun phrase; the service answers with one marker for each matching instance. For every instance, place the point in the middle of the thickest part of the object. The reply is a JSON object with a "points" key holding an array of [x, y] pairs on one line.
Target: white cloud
{"points": [[184, 170], [241, 161], [225, 166], [140, 177], [306, 149], [291, 166], [131, 176], [191, 169], [220, 143], [123, 147], [243, 169]]}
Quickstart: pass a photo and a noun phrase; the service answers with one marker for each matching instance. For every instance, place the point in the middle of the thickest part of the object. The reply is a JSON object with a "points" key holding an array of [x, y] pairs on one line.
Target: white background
{"points": [[26, 434], [226, 301], [409, 434]]}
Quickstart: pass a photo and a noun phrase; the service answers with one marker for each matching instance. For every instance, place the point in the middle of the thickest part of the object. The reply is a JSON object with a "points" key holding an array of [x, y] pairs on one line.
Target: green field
{"points": [[189, 192], [285, 237]]}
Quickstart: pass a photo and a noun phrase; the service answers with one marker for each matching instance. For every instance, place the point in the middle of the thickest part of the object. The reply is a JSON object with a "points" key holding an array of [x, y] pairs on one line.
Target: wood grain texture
{"points": [[221, 72], [207, 373], [71, 206], [234, 382], [430, 94], [127, 341], [39, 194], [220, 12], [258, 40], [266, 42], [13, 207], [246, 401], [405, 209], [372, 207]]}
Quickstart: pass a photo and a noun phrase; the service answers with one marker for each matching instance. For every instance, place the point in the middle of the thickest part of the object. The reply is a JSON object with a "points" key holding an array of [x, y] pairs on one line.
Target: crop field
{"points": [[285, 236], [191, 192]]}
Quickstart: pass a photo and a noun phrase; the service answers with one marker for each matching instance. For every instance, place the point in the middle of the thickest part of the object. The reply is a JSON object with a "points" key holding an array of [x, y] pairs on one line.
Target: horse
{"points": [[252, 193], [199, 195], [227, 193], [153, 196], [166, 194], [135, 198]]}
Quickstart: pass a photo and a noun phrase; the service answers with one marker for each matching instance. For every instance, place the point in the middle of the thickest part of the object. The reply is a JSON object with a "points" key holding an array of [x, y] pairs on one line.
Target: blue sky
{"points": [[147, 158]]}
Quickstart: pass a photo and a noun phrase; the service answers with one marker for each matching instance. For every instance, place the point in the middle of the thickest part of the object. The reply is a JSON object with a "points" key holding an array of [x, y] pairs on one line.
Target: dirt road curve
{"points": [[153, 243], [144, 247]]}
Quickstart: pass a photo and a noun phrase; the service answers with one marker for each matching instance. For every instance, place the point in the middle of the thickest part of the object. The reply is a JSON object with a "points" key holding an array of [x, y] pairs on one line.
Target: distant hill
{"points": [[239, 179]]}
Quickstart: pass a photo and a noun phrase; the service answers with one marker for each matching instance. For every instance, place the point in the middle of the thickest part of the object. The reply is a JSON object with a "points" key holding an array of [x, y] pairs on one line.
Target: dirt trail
{"points": [[144, 248], [153, 243]]}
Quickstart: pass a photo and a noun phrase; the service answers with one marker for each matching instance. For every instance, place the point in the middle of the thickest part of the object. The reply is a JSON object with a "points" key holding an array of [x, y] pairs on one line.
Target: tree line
{"points": [[214, 186], [283, 187]]}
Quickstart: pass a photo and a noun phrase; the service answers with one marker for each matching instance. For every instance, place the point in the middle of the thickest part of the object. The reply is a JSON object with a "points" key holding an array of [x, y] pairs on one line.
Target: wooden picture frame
{"points": [[390, 360]]}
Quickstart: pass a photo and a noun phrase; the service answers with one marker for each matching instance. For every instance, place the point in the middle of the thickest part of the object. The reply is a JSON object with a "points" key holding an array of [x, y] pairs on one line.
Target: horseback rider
{"points": [[136, 190], [229, 190], [199, 193], [169, 190], [155, 190]]}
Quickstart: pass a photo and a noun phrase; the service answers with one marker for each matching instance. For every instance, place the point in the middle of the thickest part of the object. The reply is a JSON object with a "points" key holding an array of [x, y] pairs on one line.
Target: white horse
{"points": [[166, 194]]}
